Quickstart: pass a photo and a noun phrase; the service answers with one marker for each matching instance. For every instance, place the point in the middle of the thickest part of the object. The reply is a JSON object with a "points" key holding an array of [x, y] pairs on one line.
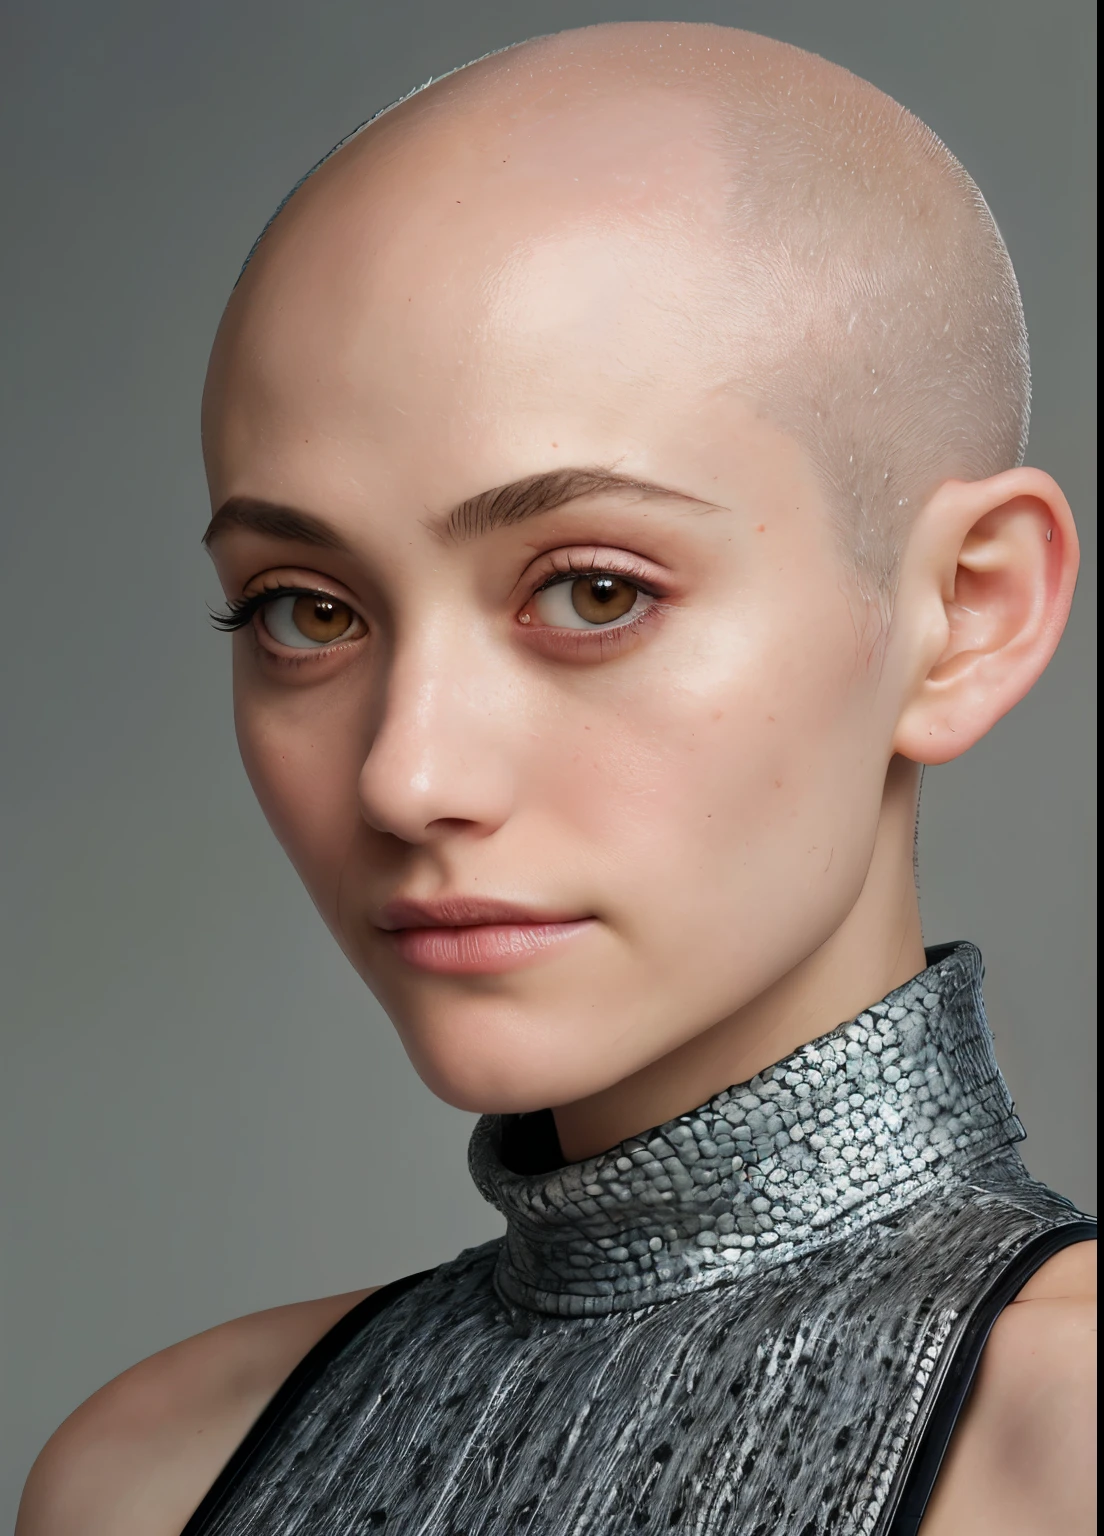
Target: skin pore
{"points": [[462, 407]]}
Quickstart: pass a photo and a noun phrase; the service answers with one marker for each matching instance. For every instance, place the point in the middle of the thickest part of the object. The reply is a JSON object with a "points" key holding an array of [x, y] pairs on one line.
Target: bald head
{"points": [[815, 247]]}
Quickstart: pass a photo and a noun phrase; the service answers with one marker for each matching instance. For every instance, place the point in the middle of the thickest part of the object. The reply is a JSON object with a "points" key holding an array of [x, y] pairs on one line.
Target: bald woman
{"points": [[615, 454]]}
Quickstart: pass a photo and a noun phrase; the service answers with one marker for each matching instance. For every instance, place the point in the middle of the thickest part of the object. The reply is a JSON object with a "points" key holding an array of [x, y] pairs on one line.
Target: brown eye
{"points": [[307, 621], [599, 600], [321, 618], [602, 598]]}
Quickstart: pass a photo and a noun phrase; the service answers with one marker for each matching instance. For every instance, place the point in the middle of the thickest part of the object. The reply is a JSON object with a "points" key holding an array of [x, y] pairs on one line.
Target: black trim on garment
{"points": [[288, 1395], [953, 1394]]}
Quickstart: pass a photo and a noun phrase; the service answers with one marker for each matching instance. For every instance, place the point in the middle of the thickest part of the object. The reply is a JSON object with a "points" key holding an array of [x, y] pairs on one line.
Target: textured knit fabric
{"points": [[734, 1325]]}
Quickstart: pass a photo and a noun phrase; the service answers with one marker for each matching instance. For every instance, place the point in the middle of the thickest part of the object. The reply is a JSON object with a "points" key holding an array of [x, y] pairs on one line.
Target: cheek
{"points": [[302, 765], [762, 772]]}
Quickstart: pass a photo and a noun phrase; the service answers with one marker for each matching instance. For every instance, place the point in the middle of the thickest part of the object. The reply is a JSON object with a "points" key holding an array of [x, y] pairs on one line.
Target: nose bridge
{"points": [[438, 754]]}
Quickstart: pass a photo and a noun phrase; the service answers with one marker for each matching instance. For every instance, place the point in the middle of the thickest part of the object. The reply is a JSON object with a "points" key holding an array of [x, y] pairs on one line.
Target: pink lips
{"points": [[471, 936]]}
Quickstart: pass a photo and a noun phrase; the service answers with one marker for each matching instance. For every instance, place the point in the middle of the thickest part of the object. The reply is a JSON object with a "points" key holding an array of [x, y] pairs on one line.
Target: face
{"points": [[569, 785]]}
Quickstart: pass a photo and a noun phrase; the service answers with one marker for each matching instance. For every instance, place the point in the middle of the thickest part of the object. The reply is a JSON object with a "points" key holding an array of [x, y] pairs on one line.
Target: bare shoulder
{"points": [[1022, 1461], [138, 1456]]}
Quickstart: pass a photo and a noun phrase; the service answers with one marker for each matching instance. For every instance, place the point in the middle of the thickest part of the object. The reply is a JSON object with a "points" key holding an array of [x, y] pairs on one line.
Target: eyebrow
{"points": [[506, 505], [277, 521], [501, 507]]}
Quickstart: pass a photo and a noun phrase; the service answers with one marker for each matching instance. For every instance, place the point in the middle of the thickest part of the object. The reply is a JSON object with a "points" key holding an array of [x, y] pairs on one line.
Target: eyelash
{"points": [[240, 611], [573, 568]]}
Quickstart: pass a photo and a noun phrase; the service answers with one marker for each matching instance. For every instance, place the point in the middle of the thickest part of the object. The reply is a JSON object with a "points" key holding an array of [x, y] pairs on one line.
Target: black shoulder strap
{"points": [[955, 1389], [287, 1398]]}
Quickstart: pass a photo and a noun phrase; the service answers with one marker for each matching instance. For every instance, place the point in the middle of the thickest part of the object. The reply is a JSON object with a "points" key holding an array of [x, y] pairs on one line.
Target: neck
{"points": [[876, 948]]}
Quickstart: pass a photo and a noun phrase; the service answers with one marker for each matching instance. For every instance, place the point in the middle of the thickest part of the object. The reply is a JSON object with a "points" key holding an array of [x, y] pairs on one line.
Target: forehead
{"points": [[467, 280]]}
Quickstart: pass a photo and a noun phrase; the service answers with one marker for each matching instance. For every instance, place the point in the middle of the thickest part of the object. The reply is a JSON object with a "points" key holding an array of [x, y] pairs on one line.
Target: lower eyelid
{"points": [[589, 644], [294, 660]]}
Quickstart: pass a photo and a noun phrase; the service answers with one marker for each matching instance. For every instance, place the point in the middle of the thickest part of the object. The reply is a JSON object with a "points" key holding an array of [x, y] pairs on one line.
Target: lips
{"points": [[463, 912], [467, 935]]}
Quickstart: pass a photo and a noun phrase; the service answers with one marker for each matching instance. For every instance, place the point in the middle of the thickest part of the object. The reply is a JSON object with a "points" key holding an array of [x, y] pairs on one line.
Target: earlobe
{"points": [[986, 586]]}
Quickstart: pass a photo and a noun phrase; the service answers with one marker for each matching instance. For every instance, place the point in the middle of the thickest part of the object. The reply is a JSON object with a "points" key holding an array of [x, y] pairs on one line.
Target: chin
{"points": [[490, 1059]]}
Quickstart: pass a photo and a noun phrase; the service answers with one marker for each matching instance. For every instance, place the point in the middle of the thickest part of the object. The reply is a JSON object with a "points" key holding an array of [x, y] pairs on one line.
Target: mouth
{"points": [[473, 936]]}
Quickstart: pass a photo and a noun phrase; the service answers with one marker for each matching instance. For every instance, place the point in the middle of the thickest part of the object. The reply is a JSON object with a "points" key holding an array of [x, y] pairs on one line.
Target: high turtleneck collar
{"points": [[847, 1130]]}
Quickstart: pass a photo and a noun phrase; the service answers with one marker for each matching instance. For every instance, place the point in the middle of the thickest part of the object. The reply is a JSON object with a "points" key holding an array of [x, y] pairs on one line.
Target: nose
{"points": [[439, 760]]}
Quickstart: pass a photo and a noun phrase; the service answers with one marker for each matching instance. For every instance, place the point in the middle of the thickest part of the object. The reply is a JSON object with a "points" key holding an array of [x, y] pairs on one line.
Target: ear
{"points": [[985, 591]]}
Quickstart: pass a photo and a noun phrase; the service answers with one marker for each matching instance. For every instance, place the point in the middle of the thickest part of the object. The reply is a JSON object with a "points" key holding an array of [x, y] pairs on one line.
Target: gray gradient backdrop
{"points": [[204, 1112]]}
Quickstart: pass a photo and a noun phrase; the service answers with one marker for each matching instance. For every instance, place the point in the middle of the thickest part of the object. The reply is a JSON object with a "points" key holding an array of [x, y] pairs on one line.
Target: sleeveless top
{"points": [[759, 1319]]}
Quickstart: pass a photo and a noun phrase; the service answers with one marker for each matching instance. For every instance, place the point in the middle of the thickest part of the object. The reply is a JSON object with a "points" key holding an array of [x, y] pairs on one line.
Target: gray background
{"points": [[204, 1112]]}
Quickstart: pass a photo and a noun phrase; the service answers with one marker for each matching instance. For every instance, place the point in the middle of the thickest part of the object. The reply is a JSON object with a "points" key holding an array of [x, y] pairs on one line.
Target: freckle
{"points": [[555, 445]]}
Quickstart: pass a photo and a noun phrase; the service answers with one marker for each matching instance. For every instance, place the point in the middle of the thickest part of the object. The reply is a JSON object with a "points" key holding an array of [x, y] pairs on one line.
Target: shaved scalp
{"points": [[864, 293]]}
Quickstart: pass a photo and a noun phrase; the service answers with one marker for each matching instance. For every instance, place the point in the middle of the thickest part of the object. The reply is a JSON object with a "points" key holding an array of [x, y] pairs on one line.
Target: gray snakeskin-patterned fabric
{"points": [[841, 1132], [735, 1325]]}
